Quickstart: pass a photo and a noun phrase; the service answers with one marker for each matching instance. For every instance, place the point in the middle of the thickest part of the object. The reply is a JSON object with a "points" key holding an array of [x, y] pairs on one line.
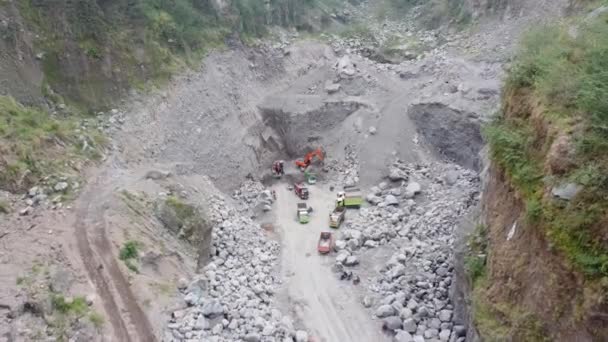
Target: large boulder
{"points": [[566, 191], [392, 323], [385, 311], [403, 336], [301, 336], [445, 315], [212, 309], [331, 87], [412, 189], [391, 200], [351, 261], [396, 174], [410, 325], [373, 199], [345, 67]]}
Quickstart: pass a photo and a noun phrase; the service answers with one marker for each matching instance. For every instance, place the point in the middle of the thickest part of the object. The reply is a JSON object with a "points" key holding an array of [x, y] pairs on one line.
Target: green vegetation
{"points": [[129, 253], [5, 207], [494, 320], [434, 13], [502, 322], [34, 144], [21, 280], [97, 319], [475, 259], [568, 73], [189, 220], [512, 144], [66, 312], [359, 31], [77, 306], [135, 202], [163, 288], [143, 42]]}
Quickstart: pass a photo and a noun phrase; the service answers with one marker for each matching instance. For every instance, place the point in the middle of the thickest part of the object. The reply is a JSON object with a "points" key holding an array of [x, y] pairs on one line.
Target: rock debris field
{"points": [[411, 215]]}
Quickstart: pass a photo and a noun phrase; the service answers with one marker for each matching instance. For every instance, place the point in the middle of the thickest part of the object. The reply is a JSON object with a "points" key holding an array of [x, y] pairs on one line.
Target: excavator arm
{"points": [[304, 163]]}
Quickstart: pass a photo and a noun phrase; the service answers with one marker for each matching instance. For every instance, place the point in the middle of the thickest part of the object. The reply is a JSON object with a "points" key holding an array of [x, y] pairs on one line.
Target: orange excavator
{"points": [[304, 163]]}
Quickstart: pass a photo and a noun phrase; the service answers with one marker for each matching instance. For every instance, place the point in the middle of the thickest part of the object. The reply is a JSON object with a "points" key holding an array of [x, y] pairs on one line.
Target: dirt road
{"points": [[128, 321], [330, 310]]}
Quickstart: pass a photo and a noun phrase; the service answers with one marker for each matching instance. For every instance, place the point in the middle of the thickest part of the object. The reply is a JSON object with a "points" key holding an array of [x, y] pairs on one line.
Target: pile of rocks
{"points": [[48, 193], [347, 170], [232, 299], [414, 213], [409, 210], [411, 294], [253, 197]]}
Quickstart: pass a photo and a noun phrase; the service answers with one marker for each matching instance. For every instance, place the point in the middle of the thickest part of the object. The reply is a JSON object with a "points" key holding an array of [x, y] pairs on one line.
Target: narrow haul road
{"points": [[329, 308]]}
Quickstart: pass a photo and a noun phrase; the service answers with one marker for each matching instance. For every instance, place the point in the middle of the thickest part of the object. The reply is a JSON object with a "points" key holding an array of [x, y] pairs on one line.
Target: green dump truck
{"points": [[351, 197], [303, 214]]}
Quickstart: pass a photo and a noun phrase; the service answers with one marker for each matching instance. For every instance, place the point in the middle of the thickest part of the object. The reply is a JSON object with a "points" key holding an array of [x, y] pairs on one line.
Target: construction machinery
{"points": [[351, 197], [307, 160], [303, 213], [301, 191], [278, 168], [337, 216], [325, 242]]}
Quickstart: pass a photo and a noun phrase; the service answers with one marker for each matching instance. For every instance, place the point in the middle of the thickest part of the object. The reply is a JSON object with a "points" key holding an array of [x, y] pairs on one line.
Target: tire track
{"points": [[103, 270]]}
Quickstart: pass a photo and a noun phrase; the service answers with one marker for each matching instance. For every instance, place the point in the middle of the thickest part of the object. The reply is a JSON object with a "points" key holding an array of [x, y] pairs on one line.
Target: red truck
{"points": [[301, 190], [325, 242]]}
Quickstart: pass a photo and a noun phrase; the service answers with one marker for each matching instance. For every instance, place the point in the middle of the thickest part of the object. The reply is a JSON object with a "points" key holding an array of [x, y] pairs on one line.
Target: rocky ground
{"points": [[414, 216], [229, 302]]}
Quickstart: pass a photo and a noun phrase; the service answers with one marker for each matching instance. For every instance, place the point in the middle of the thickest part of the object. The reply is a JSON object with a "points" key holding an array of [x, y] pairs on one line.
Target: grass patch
{"points": [[534, 210], [475, 258], [77, 306], [134, 202], [66, 313], [129, 250], [129, 254], [433, 13], [189, 218], [34, 144], [97, 320], [512, 147], [502, 322], [5, 207], [165, 288], [358, 31], [21, 281]]}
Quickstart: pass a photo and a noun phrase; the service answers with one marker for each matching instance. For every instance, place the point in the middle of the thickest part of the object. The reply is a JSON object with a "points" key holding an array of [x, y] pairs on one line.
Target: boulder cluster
{"points": [[414, 213], [232, 298]]}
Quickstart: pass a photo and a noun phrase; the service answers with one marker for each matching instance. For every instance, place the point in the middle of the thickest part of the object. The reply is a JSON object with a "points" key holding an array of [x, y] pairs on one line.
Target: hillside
{"points": [[543, 228], [87, 53]]}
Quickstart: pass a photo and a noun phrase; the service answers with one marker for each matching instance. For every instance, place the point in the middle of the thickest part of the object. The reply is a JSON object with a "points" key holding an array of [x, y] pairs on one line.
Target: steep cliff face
{"points": [[538, 263]]}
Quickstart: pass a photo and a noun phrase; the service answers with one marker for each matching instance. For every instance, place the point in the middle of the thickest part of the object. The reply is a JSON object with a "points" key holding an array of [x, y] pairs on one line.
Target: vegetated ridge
{"points": [[545, 209]]}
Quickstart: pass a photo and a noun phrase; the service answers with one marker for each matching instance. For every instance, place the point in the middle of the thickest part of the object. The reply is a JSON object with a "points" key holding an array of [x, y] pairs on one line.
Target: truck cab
{"points": [[301, 191]]}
